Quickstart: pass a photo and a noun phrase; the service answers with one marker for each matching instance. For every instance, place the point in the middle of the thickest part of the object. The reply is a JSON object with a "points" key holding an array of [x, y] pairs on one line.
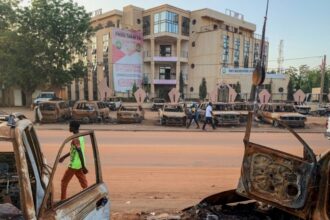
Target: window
{"points": [[9, 175], [193, 22], [138, 21], [165, 72], [146, 25], [185, 26], [165, 50], [192, 66], [225, 54], [193, 44], [246, 52], [166, 22], [236, 52], [256, 54]]}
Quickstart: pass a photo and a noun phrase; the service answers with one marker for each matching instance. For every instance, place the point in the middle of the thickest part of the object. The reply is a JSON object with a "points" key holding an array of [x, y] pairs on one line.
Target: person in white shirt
{"points": [[208, 116]]}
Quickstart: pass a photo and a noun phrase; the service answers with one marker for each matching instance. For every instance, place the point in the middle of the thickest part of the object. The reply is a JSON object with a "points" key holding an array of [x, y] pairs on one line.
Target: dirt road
{"points": [[167, 171]]}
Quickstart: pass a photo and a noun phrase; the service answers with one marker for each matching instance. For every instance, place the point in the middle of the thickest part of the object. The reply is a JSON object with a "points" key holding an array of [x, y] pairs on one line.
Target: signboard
{"points": [[140, 96], [127, 59], [174, 95], [264, 96], [240, 71], [299, 96], [104, 90]]}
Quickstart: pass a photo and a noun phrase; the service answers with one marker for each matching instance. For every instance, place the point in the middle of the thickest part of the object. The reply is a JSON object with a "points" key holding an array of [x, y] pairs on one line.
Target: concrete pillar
{"points": [[152, 50], [178, 68]]}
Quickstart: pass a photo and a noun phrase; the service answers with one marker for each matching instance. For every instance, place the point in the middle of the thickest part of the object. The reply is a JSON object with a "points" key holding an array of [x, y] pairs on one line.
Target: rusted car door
{"points": [[276, 177], [88, 203]]}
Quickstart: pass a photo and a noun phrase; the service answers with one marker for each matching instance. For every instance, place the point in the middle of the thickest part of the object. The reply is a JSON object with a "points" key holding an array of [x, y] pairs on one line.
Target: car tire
{"points": [[276, 124], [162, 121]]}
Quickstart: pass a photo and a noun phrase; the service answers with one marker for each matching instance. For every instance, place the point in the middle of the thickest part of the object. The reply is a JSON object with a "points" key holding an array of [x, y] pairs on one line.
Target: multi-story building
{"points": [[153, 47]]}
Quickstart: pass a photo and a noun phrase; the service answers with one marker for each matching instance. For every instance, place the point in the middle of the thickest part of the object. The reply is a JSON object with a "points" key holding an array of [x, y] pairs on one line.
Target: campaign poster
{"points": [[127, 59]]}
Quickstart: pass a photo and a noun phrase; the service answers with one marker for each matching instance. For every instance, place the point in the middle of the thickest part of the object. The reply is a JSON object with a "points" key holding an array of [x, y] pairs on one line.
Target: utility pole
{"points": [[322, 78]]}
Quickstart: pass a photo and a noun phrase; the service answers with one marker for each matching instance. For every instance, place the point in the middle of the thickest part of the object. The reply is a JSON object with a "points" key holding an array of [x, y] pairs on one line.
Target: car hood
{"points": [[287, 114], [225, 113], [174, 114]]}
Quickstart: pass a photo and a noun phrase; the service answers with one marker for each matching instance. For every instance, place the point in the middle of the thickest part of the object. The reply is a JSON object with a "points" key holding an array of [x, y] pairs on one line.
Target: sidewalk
{"points": [[313, 125]]}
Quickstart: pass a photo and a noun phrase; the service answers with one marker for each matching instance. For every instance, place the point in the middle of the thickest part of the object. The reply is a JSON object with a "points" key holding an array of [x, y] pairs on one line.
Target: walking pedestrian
{"points": [[193, 115], [77, 161], [208, 116]]}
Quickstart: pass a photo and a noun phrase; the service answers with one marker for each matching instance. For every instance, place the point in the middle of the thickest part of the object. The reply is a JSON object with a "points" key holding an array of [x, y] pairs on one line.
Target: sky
{"points": [[303, 25]]}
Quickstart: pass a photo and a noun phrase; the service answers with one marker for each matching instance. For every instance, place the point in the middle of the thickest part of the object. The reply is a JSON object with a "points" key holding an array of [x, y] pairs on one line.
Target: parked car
{"points": [[113, 103], [281, 111], [243, 108], [302, 109], [273, 185], [327, 125], [157, 104], [172, 114], [223, 113], [45, 96], [27, 183], [54, 111], [130, 114], [90, 111]]}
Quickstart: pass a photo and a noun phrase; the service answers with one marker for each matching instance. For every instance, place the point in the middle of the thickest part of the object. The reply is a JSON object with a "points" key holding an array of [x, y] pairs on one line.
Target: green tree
{"points": [[238, 91], [47, 38], [202, 89], [290, 89], [134, 88], [181, 85]]}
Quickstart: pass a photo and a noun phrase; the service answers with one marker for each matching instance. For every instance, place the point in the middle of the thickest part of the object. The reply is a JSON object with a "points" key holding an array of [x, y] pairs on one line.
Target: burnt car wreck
{"points": [[27, 182], [273, 185]]}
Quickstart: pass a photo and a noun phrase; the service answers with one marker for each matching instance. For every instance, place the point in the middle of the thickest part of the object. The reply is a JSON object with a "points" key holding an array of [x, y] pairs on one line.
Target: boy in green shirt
{"points": [[77, 161]]}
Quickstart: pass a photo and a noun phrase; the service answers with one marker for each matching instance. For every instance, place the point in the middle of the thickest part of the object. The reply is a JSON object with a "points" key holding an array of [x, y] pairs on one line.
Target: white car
{"points": [[327, 132], [44, 96]]}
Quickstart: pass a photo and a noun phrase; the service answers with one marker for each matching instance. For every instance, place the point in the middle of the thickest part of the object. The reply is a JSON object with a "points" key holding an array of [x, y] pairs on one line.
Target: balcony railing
{"points": [[158, 53]]}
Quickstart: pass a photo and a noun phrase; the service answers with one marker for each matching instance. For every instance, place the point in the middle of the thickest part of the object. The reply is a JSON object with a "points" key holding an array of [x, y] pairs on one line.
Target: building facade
{"points": [[158, 45]]}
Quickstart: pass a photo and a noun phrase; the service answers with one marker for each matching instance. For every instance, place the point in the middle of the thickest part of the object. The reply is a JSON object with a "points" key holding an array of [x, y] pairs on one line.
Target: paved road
{"points": [[166, 171]]}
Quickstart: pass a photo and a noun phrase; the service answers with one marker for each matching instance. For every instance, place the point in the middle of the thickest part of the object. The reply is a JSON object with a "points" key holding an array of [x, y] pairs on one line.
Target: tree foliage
{"points": [[44, 42], [202, 89], [306, 79], [134, 88]]}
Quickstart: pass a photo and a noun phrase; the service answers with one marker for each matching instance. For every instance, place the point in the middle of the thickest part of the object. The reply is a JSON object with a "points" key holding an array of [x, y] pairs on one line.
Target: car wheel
{"points": [[162, 121], [276, 123]]}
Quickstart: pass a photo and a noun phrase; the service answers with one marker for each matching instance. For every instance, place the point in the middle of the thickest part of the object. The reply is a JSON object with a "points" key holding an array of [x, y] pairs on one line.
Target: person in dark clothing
{"points": [[193, 115], [208, 116]]}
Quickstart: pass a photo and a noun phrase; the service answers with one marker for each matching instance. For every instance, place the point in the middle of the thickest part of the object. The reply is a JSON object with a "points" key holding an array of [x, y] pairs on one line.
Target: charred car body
{"points": [[157, 104], [281, 111], [90, 111], [54, 111], [26, 181], [273, 185], [172, 114], [223, 113], [243, 108], [130, 114]]}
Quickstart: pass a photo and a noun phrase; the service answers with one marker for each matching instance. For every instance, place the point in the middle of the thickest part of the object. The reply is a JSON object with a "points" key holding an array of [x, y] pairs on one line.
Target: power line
{"points": [[298, 58]]}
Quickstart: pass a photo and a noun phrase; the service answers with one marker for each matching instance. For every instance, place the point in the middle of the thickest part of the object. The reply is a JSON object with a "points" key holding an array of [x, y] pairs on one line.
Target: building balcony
{"points": [[160, 56]]}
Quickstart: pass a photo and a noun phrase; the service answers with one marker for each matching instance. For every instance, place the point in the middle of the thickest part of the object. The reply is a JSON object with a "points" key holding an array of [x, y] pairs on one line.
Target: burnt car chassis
{"points": [[273, 185]]}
